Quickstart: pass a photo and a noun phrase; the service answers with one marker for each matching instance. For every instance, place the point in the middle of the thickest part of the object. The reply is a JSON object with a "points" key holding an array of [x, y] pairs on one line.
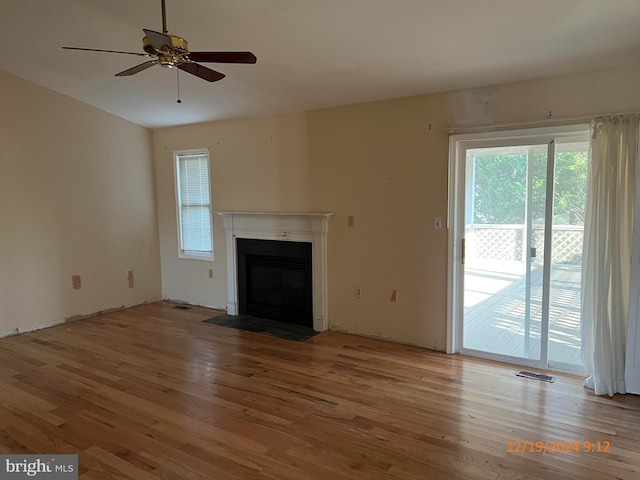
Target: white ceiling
{"points": [[311, 53]]}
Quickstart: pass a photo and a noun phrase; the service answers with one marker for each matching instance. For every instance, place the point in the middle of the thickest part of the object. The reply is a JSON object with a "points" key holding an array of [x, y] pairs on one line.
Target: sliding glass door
{"points": [[517, 244]]}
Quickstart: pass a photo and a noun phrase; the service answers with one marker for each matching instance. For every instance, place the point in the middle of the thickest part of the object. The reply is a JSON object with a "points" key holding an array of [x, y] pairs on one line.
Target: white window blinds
{"points": [[194, 204]]}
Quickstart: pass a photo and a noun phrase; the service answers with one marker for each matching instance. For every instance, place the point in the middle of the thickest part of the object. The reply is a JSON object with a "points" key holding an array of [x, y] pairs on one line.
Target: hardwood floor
{"points": [[151, 392]]}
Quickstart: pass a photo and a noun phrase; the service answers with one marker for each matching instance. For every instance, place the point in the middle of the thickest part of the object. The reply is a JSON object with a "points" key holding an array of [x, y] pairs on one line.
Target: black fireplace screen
{"points": [[275, 280]]}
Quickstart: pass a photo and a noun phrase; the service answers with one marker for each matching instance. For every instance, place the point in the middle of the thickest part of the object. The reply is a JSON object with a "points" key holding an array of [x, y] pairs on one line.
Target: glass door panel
{"points": [[505, 201], [569, 202]]}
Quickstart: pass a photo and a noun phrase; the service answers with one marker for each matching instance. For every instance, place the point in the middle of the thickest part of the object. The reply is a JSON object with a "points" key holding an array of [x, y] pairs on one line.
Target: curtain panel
{"points": [[607, 251]]}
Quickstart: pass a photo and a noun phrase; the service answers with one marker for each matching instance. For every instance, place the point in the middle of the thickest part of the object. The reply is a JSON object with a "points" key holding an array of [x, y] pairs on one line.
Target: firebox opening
{"points": [[275, 280]]}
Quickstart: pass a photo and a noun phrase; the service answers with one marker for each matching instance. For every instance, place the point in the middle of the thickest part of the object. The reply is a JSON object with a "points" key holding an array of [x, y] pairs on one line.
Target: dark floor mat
{"points": [[273, 328]]}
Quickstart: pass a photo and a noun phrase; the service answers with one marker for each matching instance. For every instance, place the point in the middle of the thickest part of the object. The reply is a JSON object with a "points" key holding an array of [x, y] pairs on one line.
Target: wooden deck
{"points": [[495, 313], [153, 393]]}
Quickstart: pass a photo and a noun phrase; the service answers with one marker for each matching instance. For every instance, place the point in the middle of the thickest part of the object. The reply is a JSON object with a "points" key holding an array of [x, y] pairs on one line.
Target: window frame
{"points": [[188, 254]]}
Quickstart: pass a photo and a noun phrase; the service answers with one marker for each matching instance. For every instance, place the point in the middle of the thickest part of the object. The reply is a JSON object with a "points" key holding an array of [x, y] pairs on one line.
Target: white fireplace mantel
{"points": [[287, 227]]}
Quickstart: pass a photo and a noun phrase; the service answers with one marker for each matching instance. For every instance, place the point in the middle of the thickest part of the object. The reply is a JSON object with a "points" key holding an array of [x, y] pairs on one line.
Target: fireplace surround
{"points": [[309, 228]]}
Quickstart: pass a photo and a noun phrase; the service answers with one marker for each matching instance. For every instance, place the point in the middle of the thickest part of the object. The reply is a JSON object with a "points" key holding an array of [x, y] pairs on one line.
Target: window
{"points": [[193, 204]]}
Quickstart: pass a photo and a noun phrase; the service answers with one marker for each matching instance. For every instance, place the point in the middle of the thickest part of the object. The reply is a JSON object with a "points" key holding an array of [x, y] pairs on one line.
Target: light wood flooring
{"points": [[151, 392]]}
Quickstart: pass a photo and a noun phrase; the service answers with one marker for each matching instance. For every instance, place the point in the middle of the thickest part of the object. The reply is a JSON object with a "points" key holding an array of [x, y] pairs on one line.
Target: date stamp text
{"points": [[555, 446]]}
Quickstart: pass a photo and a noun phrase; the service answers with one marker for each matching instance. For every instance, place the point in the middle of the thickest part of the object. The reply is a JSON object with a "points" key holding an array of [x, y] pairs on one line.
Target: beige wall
{"points": [[385, 163], [76, 197]]}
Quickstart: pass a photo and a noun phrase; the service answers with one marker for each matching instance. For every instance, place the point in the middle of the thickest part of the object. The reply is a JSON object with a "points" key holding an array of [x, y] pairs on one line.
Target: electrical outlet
{"points": [[211, 273], [437, 223], [75, 282], [394, 296], [358, 292], [351, 221], [130, 278]]}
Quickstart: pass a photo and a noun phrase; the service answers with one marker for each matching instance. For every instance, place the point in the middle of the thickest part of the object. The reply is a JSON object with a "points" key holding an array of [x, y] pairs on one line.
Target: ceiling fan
{"points": [[171, 51]]}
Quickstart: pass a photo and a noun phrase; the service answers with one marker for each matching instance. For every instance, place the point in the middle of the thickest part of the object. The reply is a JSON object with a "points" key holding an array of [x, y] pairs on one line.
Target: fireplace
{"points": [[275, 280], [285, 229]]}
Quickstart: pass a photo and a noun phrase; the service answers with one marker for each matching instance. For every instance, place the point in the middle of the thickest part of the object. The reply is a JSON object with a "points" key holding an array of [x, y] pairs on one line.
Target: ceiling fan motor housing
{"points": [[169, 56], [178, 45]]}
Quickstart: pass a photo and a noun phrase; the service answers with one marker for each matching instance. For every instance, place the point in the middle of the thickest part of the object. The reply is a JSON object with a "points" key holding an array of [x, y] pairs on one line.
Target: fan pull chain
{"points": [[178, 80]]}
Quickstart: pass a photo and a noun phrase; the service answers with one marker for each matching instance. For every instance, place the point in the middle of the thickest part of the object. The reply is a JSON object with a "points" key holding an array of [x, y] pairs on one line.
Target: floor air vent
{"points": [[536, 376], [182, 307]]}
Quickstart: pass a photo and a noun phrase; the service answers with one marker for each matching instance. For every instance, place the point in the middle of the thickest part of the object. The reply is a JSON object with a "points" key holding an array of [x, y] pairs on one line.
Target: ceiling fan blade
{"points": [[107, 51], [137, 68], [157, 39], [223, 57], [201, 71]]}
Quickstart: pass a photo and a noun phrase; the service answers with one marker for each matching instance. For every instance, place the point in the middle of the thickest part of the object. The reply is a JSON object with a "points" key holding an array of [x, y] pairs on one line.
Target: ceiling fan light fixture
{"points": [[167, 61]]}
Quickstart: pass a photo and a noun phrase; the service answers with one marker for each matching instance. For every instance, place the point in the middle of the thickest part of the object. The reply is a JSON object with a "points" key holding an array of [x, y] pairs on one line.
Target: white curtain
{"points": [[607, 251]]}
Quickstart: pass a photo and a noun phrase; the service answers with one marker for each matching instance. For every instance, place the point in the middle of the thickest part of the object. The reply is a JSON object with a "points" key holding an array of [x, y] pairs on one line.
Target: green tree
{"points": [[570, 188], [500, 188]]}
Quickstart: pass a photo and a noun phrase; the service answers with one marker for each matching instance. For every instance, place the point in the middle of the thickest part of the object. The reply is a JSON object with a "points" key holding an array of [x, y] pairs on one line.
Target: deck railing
{"points": [[507, 242]]}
